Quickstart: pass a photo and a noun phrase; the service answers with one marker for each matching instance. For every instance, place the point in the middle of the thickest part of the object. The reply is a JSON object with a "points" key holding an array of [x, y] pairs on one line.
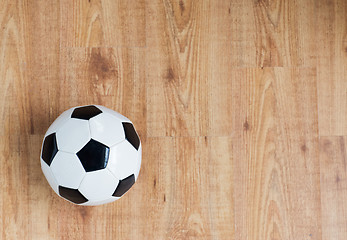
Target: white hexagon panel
{"points": [[73, 135], [98, 185], [67, 169], [64, 117], [106, 129], [123, 160], [91, 155]]}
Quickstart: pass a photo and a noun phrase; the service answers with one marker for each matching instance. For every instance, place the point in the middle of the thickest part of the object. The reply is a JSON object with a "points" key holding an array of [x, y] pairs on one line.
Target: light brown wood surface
{"points": [[241, 107]]}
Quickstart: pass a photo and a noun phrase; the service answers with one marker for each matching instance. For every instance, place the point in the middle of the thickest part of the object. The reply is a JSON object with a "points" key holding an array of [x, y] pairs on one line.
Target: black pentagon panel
{"points": [[131, 135], [86, 112], [72, 195], [94, 156], [124, 185], [49, 148]]}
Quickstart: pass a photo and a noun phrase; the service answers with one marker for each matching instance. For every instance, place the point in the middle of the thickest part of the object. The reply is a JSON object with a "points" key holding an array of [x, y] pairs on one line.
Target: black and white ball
{"points": [[91, 155]]}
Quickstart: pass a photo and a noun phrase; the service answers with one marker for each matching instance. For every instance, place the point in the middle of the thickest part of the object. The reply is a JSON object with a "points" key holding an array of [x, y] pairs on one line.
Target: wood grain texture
{"points": [[221, 188], [99, 23], [332, 157], [14, 78], [275, 150], [114, 77], [240, 105], [219, 69], [332, 67], [273, 33], [176, 39]]}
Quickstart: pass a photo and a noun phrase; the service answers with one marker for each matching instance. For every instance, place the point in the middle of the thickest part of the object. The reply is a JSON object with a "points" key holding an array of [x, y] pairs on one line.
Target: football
{"points": [[91, 155]]}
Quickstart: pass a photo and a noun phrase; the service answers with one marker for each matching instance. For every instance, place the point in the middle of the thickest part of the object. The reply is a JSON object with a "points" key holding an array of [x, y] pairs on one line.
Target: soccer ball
{"points": [[91, 155]]}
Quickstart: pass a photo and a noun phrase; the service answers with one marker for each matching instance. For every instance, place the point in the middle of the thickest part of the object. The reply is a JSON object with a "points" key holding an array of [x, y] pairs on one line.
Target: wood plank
{"points": [[175, 66], [189, 215], [103, 23], [219, 69], [273, 33], [276, 171], [14, 122], [42, 63], [14, 177], [333, 187], [113, 77], [156, 188], [221, 188], [332, 67], [14, 56]]}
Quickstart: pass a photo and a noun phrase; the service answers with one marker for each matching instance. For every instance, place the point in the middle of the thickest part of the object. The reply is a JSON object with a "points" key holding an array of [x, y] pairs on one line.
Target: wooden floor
{"points": [[241, 107]]}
